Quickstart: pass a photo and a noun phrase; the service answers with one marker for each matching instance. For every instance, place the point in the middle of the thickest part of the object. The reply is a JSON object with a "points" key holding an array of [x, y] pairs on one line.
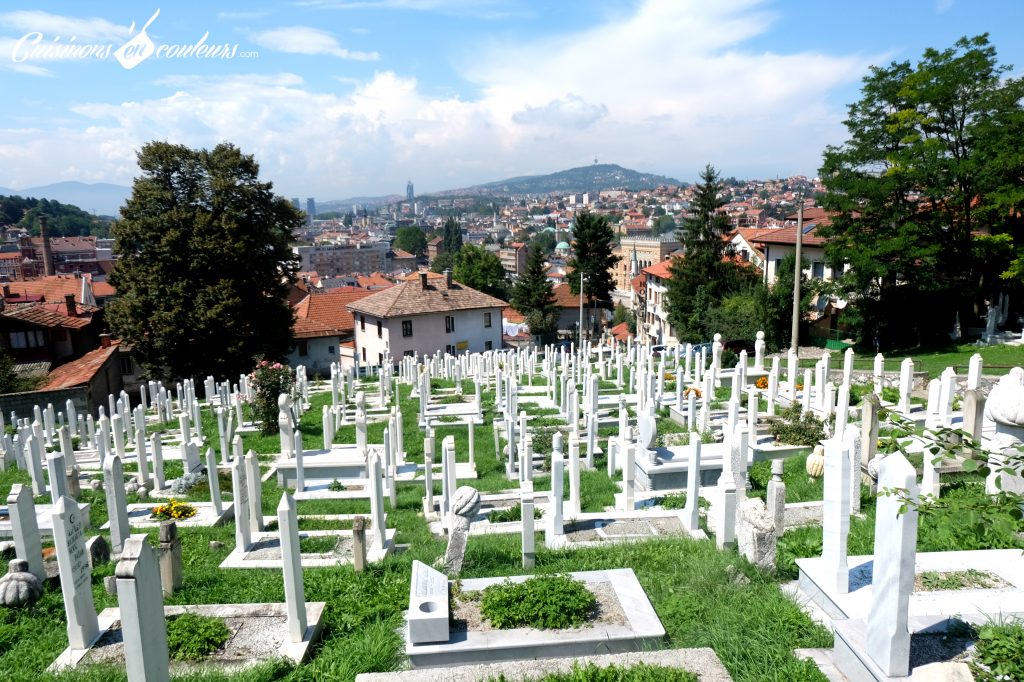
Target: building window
{"points": [[30, 339], [487, 320], [330, 350], [818, 270], [488, 345], [406, 327], [409, 353], [364, 355], [380, 330], [450, 349], [380, 358], [449, 324], [362, 323], [127, 366], [303, 348]]}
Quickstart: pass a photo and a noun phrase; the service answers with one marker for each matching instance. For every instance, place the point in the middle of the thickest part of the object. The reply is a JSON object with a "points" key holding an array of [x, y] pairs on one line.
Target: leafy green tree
{"points": [[444, 261], [411, 238], [481, 270], [533, 296], [9, 382], [544, 240], [452, 236], [205, 263], [775, 304], [707, 273], [622, 314], [932, 157], [593, 240]]}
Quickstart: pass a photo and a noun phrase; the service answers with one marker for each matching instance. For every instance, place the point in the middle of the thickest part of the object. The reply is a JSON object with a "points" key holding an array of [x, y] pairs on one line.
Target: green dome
{"points": [[562, 246]]}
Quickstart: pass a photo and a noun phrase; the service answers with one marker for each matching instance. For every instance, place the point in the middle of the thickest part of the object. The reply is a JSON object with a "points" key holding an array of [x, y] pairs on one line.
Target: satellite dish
{"points": [[840, 303]]}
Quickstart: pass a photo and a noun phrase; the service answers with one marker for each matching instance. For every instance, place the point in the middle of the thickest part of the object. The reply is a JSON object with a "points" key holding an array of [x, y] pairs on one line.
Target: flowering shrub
{"points": [[694, 390], [269, 381], [173, 510], [762, 383]]}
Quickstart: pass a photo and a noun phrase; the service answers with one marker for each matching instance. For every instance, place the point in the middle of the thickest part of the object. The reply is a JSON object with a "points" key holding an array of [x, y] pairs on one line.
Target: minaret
{"points": [[634, 266], [44, 234]]}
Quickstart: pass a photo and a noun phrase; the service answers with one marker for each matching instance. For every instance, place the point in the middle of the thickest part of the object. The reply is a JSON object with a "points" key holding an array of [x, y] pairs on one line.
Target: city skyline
{"points": [[342, 98]]}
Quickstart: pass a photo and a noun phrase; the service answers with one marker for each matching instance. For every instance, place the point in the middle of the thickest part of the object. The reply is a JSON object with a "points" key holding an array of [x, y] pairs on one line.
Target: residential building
{"points": [[776, 244], [323, 324], [647, 250], [513, 258], [435, 247], [402, 260], [344, 258], [568, 305], [422, 315], [38, 331], [652, 316]]}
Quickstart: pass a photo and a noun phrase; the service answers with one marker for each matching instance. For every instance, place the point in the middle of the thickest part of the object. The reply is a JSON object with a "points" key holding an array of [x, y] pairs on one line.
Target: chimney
{"points": [[104, 340], [7, 291], [423, 280], [69, 300], [44, 234], [448, 278]]}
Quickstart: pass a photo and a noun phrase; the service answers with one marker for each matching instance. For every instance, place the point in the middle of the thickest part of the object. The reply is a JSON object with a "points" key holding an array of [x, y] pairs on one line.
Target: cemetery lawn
{"points": [[704, 597], [996, 360]]}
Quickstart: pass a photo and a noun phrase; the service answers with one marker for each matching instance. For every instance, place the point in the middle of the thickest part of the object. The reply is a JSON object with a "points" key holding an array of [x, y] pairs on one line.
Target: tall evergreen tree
{"points": [[452, 236], [706, 274], [205, 263], [532, 295], [593, 241]]}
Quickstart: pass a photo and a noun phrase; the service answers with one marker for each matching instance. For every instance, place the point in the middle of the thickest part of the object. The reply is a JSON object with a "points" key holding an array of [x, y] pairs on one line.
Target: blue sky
{"points": [[340, 98]]}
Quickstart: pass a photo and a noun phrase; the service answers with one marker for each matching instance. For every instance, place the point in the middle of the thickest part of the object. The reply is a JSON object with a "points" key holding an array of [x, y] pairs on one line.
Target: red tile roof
{"points": [[660, 269], [564, 298], [50, 315], [621, 331], [787, 235], [512, 316], [80, 371], [56, 287], [411, 298], [326, 314]]}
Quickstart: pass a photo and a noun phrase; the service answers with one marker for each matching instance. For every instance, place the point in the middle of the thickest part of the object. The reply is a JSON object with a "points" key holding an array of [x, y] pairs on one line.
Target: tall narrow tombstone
{"points": [[76, 575], [835, 524], [117, 503], [906, 384], [169, 557], [842, 408], [628, 477], [240, 499], [693, 484], [806, 393], [57, 470], [776, 497], [143, 457], [974, 371], [555, 509], [725, 527], [574, 504], [974, 412], [141, 602], [379, 538], [254, 483], [299, 454], [529, 549], [25, 529], [294, 591], [428, 475], [213, 480], [892, 578], [35, 469], [158, 461]]}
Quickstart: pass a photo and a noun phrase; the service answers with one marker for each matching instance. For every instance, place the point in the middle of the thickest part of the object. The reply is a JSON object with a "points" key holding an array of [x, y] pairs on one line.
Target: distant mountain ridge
{"points": [[100, 198], [593, 178]]}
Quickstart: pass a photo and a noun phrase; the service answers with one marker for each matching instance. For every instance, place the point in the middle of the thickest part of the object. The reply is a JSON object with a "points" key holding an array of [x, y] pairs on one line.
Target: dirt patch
{"points": [[971, 579], [466, 616]]}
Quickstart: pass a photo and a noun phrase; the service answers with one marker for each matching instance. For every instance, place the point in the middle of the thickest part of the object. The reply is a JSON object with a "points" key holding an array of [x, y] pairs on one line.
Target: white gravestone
{"points": [[25, 529], [428, 605], [294, 591], [141, 602], [836, 515], [117, 503], [76, 574]]}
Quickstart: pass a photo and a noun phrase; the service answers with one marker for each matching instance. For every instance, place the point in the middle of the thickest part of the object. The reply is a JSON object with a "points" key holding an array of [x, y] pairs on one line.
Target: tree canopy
{"points": [[64, 219], [593, 241], [932, 160], [452, 236], [205, 263], [533, 296], [412, 239], [707, 273], [480, 269]]}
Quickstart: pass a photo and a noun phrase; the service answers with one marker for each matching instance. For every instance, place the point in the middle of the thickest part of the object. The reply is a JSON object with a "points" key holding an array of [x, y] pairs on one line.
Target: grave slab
{"points": [[265, 551], [259, 633], [140, 516], [641, 630]]}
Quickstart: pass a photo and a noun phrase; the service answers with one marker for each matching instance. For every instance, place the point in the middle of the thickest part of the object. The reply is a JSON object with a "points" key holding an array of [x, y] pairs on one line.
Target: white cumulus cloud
{"points": [[307, 40]]}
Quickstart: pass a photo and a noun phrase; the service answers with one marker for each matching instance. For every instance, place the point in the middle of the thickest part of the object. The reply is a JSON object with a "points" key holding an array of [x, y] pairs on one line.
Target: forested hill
{"points": [[65, 219]]}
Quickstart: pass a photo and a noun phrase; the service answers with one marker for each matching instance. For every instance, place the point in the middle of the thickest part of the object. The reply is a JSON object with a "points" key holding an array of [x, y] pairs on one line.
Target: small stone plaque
{"points": [[428, 605]]}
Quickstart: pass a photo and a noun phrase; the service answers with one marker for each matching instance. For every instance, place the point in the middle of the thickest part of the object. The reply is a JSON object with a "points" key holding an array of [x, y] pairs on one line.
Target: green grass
{"points": [[996, 360], [637, 673]]}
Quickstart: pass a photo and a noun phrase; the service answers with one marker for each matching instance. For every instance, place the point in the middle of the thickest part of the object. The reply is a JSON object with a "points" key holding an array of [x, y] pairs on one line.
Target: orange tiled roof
{"points": [[564, 298], [660, 269], [326, 314], [80, 371], [51, 315], [411, 298], [621, 331], [787, 235], [56, 287], [512, 316], [374, 281]]}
